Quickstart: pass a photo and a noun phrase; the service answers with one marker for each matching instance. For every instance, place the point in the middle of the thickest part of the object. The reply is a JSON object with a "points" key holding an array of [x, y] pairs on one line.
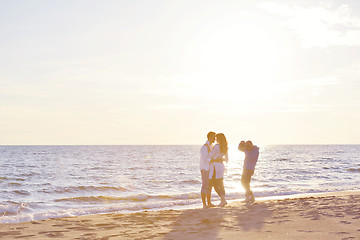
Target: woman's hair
{"points": [[222, 141]]}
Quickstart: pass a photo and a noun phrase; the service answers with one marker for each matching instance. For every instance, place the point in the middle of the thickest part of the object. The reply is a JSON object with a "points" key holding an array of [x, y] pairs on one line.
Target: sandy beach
{"points": [[316, 216]]}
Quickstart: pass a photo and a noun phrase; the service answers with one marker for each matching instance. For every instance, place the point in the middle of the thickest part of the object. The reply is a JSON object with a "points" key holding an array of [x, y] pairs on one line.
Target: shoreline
{"points": [[177, 207], [331, 215]]}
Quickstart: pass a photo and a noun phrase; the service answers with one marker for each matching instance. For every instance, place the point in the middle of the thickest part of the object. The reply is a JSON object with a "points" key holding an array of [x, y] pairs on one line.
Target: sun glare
{"points": [[245, 57]]}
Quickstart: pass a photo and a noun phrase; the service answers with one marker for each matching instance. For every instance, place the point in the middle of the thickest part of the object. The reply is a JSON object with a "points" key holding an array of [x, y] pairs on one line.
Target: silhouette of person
{"points": [[204, 169], [251, 158], [216, 175]]}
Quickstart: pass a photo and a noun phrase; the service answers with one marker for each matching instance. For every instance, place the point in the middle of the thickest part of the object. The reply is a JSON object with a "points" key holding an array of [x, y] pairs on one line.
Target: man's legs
{"points": [[245, 181], [205, 188]]}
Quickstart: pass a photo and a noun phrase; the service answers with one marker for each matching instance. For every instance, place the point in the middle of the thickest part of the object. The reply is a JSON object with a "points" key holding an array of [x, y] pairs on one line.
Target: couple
{"points": [[212, 168]]}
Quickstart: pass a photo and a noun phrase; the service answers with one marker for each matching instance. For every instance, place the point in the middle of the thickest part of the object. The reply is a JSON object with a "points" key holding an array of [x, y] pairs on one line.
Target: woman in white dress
{"points": [[218, 155]]}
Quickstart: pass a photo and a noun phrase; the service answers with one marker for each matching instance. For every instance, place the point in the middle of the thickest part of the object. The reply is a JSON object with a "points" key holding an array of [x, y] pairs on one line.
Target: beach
{"points": [[327, 216]]}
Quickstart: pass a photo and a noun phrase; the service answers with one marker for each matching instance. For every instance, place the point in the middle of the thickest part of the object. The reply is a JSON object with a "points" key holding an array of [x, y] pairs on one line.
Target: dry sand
{"points": [[325, 216]]}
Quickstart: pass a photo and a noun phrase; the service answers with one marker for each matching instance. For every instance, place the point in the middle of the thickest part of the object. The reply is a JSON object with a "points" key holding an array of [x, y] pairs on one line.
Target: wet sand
{"points": [[311, 216]]}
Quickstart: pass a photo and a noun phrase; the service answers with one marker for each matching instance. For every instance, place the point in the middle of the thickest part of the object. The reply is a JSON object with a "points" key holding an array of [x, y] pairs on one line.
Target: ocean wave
{"points": [[192, 181], [21, 192], [103, 199], [132, 198], [30, 174], [14, 184], [40, 153], [187, 196], [17, 215], [88, 188], [116, 208], [281, 159], [140, 198], [183, 200], [12, 179], [12, 208]]}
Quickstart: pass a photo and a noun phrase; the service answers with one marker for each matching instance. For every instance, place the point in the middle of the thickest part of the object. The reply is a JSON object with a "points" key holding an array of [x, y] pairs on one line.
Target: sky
{"points": [[167, 72]]}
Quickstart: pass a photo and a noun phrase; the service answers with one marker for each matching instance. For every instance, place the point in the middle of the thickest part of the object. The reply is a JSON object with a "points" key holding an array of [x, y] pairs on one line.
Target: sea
{"points": [[42, 182]]}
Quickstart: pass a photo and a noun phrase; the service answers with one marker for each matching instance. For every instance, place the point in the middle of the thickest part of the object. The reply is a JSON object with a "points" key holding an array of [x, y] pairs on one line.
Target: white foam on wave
{"points": [[12, 208], [132, 198], [13, 213], [115, 208], [75, 189], [151, 205]]}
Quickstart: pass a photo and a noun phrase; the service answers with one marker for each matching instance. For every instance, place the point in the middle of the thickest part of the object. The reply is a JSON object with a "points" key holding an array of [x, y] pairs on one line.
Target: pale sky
{"points": [[167, 72]]}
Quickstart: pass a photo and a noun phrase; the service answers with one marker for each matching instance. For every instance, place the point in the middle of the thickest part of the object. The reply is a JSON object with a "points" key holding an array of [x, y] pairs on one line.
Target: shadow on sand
{"points": [[208, 223]]}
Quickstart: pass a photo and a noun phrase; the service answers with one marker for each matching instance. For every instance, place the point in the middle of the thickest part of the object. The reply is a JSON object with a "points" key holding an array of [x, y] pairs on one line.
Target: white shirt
{"points": [[204, 156], [217, 167]]}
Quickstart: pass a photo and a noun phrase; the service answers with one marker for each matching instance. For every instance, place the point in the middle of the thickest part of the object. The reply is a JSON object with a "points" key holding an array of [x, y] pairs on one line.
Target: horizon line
{"points": [[294, 144]]}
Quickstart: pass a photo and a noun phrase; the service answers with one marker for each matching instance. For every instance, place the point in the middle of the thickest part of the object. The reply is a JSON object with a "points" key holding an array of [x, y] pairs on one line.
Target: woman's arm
{"points": [[226, 157]]}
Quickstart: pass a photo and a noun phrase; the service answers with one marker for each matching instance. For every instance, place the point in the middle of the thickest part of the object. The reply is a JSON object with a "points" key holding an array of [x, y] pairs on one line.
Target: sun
{"points": [[243, 58]]}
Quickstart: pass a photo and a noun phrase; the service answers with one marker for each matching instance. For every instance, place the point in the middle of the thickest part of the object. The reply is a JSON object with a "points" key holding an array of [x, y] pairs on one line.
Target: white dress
{"points": [[217, 169]]}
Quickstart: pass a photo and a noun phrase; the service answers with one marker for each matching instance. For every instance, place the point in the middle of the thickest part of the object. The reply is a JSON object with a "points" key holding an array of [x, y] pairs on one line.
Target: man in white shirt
{"points": [[204, 169]]}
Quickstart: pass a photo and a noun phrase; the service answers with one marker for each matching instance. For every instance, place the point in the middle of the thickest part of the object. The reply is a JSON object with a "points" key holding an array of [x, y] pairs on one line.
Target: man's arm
{"points": [[205, 154]]}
